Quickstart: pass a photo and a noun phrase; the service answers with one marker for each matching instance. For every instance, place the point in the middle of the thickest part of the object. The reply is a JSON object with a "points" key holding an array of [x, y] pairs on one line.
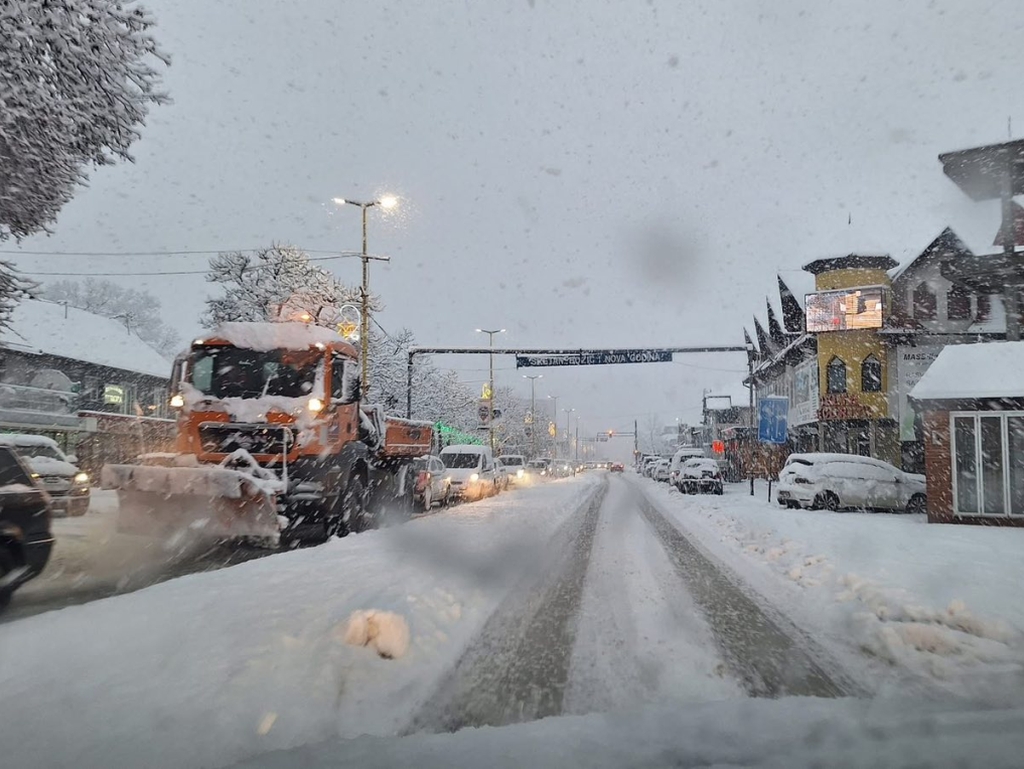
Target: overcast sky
{"points": [[582, 174]]}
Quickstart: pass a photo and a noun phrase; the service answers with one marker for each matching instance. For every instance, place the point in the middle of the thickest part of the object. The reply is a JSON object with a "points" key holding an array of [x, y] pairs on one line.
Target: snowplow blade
{"points": [[201, 502]]}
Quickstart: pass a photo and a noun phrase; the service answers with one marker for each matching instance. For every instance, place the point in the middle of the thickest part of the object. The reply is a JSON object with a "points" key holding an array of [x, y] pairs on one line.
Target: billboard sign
{"points": [[911, 363], [804, 408], [773, 420], [844, 310]]}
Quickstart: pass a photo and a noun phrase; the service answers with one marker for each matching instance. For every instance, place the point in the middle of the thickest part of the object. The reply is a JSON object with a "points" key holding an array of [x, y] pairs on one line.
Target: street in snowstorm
{"points": [[581, 384]]}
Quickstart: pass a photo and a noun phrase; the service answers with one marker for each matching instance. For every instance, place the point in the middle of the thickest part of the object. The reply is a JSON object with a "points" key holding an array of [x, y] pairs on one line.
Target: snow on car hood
{"points": [[49, 466]]}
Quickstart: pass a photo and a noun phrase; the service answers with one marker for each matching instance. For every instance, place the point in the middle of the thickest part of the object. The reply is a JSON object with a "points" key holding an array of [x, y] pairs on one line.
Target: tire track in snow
{"points": [[765, 658], [517, 667]]}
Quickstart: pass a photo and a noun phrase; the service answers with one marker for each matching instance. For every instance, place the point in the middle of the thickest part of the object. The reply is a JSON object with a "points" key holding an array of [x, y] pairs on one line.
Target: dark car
{"points": [[25, 539]]}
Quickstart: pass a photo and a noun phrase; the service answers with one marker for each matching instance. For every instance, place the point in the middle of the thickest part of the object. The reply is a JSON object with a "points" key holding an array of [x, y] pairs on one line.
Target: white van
{"points": [[471, 468]]}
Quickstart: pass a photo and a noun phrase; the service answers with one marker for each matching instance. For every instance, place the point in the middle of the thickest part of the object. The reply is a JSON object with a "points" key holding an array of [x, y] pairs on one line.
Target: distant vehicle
{"points": [[681, 456], [659, 470], [58, 472], [847, 481], [501, 474], [433, 484], [561, 468], [539, 469], [700, 475], [471, 469], [616, 467], [25, 513], [516, 466]]}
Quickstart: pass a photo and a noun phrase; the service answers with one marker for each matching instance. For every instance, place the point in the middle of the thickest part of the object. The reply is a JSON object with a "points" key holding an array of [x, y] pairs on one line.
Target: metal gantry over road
{"points": [[566, 356]]}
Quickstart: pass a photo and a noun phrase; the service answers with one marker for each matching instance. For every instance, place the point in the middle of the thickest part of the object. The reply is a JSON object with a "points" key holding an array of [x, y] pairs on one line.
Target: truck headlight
{"points": [[82, 478], [315, 405], [474, 477], [519, 473], [177, 401]]}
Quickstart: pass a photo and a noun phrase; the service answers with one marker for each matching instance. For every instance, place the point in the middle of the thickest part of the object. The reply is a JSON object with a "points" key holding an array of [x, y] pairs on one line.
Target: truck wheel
{"points": [[428, 500], [353, 502], [7, 564]]}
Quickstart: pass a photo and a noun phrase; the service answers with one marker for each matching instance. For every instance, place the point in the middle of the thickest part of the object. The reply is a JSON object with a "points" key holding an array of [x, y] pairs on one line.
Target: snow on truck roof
{"points": [[965, 371], [49, 328], [276, 336]]}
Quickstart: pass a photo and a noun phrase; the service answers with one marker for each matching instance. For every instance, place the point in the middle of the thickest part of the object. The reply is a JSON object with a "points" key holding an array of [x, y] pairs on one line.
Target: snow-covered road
{"points": [[596, 595]]}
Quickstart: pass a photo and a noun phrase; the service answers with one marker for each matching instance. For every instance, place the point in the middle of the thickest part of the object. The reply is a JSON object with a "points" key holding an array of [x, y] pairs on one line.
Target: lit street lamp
{"points": [[387, 202], [533, 412], [490, 380]]}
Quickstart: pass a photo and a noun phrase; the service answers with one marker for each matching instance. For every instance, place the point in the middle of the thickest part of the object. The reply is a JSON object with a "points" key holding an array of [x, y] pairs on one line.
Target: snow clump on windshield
{"points": [[385, 631]]}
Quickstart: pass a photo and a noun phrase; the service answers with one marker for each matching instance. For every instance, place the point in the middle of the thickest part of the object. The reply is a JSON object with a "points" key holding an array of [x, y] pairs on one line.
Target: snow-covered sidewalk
{"points": [[908, 605], [209, 669]]}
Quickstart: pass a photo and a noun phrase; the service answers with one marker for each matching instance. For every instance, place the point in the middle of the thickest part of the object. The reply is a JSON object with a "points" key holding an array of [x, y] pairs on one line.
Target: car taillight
{"points": [[423, 479]]}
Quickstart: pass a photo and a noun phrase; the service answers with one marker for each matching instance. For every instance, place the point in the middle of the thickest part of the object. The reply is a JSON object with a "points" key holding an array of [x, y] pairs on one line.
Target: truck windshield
{"points": [[228, 372], [461, 461]]}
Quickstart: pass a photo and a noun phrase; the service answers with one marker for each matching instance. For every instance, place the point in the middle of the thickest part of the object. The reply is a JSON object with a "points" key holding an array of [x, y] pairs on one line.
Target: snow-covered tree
{"points": [[138, 310], [77, 78], [13, 288], [257, 284]]}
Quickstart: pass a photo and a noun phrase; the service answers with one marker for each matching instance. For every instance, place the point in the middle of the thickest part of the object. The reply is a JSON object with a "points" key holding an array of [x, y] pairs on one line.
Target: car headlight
{"points": [[81, 477], [519, 473], [474, 477]]}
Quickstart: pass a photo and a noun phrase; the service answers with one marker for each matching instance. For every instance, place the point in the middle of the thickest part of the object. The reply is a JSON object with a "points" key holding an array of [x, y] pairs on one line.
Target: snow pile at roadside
{"points": [[909, 602], [781, 734], [211, 668]]}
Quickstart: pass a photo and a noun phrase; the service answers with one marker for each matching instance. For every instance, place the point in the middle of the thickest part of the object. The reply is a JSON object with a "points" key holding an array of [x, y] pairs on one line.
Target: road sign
{"points": [[773, 420], [595, 358], [552, 430]]}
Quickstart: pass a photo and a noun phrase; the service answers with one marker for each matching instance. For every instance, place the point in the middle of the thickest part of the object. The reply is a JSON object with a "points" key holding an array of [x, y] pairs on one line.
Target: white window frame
{"points": [[977, 416]]}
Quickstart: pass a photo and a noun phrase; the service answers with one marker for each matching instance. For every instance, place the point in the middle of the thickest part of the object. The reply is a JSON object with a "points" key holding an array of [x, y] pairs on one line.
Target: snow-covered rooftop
{"points": [[42, 327], [990, 370]]}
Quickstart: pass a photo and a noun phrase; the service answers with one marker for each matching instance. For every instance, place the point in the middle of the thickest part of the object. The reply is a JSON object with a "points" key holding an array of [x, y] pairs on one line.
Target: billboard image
{"points": [[843, 310]]}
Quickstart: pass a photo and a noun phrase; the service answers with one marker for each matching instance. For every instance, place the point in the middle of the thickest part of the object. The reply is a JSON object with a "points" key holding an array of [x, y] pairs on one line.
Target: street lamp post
{"points": [[490, 381], [554, 417], [533, 412], [387, 202], [568, 416]]}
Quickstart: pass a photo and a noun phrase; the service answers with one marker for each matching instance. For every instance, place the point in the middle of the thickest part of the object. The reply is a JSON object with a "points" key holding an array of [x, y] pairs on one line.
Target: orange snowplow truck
{"points": [[273, 441]]}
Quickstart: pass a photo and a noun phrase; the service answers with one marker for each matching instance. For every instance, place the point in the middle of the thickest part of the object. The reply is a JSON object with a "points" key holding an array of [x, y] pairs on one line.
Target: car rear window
{"points": [[460, 461]]}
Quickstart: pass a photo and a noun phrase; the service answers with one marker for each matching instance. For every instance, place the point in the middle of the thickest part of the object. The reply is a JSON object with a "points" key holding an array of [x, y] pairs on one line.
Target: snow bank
{"points": [[385, 631], [212, 668], [901, 602]]}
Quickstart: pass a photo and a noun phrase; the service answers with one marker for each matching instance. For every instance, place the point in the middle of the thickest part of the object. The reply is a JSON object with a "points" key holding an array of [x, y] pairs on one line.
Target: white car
{"points": [[501, 474], [515, 464], [681, 456], [58, 473], [471, 468], [700, 475], [847, 481], [659, 471]]}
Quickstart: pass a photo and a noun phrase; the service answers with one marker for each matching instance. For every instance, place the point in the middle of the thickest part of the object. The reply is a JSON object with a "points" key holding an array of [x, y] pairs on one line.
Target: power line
{"points": [[161, 273], [186, 252]]}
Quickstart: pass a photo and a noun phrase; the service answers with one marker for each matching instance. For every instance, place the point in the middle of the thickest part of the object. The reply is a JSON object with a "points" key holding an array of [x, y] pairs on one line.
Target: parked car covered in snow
{"points": [[700, 475], [659, 470], [681, 456], [58, 473], [847, 481], [25, 539]]}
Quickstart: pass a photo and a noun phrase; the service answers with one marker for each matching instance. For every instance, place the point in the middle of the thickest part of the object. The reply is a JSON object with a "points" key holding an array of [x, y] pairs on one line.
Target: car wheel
{"points": [[918, 504], [428, 500], [827, 501], [719, 491]]}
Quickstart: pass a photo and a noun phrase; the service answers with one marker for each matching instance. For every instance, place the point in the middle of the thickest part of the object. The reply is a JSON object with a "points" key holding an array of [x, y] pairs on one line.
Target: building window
{"points": [[988, 463], [984, 307], [925, 304], [871, 375], [958, 303], [836, 376]]}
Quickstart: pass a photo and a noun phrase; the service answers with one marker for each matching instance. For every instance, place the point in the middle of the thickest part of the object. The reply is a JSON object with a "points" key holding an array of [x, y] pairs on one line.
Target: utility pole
{"points": [[568, 416], [533, 412], [554, 418], [387, 202], [577, 440], [636, 441], [750, 422]]}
